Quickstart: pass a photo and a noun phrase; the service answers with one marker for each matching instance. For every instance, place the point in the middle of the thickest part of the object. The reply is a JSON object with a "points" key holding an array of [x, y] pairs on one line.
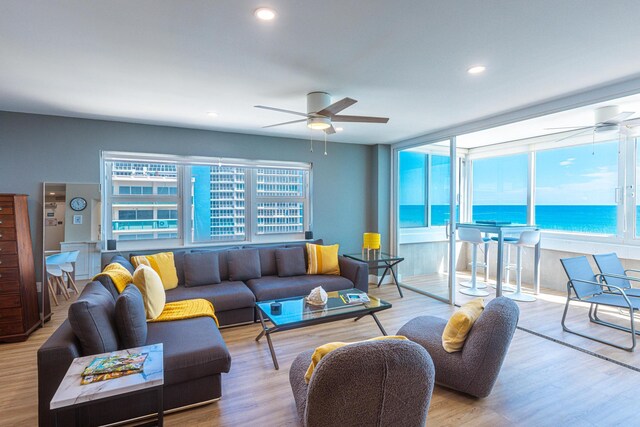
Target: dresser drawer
{"points": [[8, 315], [7, 221], [9, 301], [8, 260], [6, 208], [7, 234], [8, 247], [11, 328], [9, 275]]}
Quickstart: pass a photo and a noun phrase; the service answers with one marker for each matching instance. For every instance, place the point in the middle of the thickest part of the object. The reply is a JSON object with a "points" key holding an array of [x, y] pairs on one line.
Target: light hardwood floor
{"points": [[542, 383]]}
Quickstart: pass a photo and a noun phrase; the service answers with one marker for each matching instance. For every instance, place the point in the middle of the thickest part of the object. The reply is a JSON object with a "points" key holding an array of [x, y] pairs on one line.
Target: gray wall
{"points": [[380, 194], [37, 148]]}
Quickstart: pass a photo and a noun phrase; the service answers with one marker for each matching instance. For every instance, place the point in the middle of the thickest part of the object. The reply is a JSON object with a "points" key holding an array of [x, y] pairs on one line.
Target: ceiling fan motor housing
{"points": [[604, 114], [317, 101]]}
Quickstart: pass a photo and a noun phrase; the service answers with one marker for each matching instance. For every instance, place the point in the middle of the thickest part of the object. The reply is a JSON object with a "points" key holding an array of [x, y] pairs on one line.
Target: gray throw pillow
{"points": [[244, 264], [92, 319], [290, 262], [201, 268], [131, 318]]}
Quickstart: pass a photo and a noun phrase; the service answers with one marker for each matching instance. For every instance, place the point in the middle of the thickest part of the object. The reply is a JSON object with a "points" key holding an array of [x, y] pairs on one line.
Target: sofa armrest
{"points": [[54, 358], [356, 271]]}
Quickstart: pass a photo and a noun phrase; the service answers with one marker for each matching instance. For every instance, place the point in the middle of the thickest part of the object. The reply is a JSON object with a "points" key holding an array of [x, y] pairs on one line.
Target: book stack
{"points": [[108, 367]]}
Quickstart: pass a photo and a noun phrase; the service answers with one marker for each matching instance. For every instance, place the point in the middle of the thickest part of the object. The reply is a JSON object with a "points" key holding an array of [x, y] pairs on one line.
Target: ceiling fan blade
{"points": [[336, 107], [580, 132], [330, 130], [631, 122], [282, 110], [285, 123], [618, 118], [570, 127], [361, 119]]}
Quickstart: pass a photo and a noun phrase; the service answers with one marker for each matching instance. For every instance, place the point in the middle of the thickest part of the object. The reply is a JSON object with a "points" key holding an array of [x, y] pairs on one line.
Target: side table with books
{"points": [[111, 375]]}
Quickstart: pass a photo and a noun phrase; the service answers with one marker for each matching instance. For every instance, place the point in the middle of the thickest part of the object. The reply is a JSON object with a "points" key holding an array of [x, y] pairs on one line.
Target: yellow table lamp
{"points": [[370, 241]]}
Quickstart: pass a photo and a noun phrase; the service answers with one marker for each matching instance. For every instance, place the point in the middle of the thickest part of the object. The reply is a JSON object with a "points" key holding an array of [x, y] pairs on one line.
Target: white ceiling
{"points": [[169, 62]]}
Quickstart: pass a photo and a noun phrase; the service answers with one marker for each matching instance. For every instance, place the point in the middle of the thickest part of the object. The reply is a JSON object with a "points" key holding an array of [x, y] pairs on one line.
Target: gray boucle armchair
{"points": [[374, 383], [475, 369]]}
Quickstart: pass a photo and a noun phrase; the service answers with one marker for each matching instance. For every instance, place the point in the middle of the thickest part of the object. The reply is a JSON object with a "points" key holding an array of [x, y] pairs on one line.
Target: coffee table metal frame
{"points": [[267, 331]]}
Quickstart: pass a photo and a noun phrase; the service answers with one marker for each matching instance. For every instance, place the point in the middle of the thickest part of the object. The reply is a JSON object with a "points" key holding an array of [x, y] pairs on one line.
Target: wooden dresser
{"points": [[19, 309]]}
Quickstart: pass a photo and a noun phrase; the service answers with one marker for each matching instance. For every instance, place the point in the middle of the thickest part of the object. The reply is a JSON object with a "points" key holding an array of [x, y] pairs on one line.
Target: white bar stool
{"points": [[506, 286], [483, 265], [527, 238], [474, 237], [67, 268]]}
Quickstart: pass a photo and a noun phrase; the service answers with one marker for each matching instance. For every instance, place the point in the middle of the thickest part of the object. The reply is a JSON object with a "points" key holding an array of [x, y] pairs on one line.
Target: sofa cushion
{"points": [[178, 259], [303, 245], [268, 265], [123, 262], [244, 264], [92, 318], [163, 263], [274, 287], [222, 260], [224, 296], [131, 319], [290, 262], [193, 348], [322, 259], [150, 286], [201, 269]]}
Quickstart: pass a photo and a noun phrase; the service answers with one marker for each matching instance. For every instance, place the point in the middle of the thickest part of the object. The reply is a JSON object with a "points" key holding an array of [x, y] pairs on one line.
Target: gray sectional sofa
{"points": [[195, 354]]}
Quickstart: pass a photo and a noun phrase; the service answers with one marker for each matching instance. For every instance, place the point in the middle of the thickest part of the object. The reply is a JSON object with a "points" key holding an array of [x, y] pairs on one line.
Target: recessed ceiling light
{"points": [[339, 129], [212, 114], [476, 69], [264, 13]]}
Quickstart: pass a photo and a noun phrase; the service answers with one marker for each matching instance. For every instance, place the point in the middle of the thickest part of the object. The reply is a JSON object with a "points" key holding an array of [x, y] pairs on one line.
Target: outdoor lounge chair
{"points": [[614, 273], [588, 287]]}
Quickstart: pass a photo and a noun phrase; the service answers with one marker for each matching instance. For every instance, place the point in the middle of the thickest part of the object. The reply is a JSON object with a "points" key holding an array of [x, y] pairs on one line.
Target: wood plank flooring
{"points": [[542, 383]]}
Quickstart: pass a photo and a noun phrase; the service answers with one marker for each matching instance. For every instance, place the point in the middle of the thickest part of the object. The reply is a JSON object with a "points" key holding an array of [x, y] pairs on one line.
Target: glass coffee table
{"points": [[297, 313]]}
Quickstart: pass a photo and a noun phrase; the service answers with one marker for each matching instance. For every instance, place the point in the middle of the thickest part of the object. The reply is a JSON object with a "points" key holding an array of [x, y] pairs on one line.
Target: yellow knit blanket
{"points": [[186, 309], [119, 275]]}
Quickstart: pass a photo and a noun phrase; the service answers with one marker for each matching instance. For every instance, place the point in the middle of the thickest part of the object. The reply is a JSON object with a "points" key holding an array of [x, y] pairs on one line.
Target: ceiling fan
{"points": [[321, 113], [608, 118]]}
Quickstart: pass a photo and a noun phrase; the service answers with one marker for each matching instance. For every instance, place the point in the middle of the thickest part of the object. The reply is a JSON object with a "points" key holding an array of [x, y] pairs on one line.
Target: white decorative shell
{"points": [[317, 296]]}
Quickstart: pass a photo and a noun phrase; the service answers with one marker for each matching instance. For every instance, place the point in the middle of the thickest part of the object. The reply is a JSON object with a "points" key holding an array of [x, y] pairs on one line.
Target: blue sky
{"points": [[579, 175]]}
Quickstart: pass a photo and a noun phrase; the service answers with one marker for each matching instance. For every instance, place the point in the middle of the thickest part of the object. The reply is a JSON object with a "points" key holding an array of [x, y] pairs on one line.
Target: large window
{"points": [[424, 189], [197, 201], [576, 188], [500, 189]]}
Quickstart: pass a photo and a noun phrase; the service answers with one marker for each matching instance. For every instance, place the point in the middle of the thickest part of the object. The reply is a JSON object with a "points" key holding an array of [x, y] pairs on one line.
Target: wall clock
{"points": [[78, 204]]}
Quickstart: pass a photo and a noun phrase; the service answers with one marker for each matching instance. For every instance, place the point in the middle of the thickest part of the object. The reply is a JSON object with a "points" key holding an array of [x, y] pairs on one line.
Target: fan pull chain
{"points": [[593, 143], [325, 143], [311, 140]]}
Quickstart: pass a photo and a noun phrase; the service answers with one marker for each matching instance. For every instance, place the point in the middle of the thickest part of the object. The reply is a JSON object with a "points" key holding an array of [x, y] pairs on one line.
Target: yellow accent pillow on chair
{"points": [[323, 259], [148, 282], [325, 349], [163, 264], [459, 325]]}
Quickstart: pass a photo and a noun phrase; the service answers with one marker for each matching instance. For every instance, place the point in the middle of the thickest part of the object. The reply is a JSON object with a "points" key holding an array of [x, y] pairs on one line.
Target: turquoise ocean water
{"points": [[572, 218]]}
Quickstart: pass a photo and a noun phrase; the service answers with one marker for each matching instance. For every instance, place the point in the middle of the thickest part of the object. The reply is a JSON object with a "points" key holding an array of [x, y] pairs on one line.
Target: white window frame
{"points": [[185, 194]]}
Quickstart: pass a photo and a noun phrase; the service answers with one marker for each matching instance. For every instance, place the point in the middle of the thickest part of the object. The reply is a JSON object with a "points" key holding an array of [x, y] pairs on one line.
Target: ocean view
{"points": [[574, 218]]}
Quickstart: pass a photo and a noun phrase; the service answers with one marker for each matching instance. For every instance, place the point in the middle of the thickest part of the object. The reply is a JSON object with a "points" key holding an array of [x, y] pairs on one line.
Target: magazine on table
{"points": [[128, 364], [357, 298], [88, 379]]}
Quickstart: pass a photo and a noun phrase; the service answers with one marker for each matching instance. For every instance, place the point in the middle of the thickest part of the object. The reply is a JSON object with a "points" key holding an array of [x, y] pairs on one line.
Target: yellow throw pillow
{"points": [[325, 349], [323, 259], [163, 264], [148, 281], [458, 327], [119, 275]]}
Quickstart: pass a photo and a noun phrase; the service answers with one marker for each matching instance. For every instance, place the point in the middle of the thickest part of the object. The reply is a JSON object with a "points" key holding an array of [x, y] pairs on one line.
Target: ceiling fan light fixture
{"points": [[264, 14], [319, 123]]}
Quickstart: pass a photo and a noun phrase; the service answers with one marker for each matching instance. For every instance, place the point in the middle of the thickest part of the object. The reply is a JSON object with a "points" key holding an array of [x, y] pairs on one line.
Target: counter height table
{"points": [[502, 230]]}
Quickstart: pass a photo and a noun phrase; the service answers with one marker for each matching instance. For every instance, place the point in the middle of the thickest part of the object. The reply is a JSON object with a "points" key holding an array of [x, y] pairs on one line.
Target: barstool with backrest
{"points": [[527, 238], [474, 237], [54, 275], [67, 268]]}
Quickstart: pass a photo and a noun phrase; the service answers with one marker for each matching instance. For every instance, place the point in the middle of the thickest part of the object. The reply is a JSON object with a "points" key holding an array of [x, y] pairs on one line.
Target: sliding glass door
{"points": [[426, 181]]}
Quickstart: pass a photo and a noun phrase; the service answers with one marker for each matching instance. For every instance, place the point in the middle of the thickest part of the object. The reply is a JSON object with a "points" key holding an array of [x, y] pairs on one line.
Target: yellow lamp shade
{"points": [[371, 241]]}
